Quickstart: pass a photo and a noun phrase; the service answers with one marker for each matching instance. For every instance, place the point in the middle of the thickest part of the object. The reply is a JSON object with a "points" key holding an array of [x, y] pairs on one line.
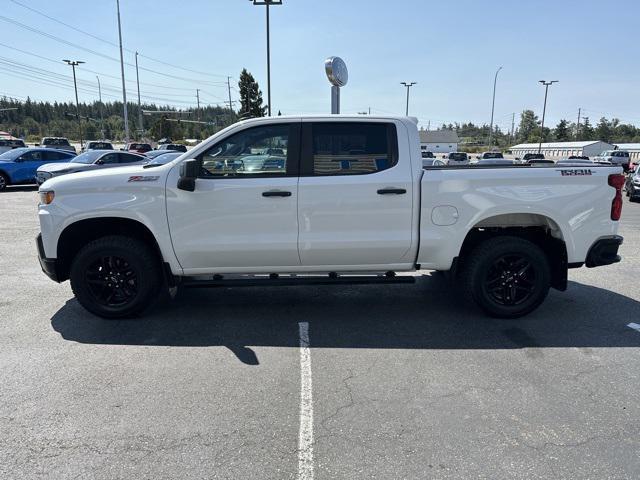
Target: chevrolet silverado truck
{"points": [[324, 200]]}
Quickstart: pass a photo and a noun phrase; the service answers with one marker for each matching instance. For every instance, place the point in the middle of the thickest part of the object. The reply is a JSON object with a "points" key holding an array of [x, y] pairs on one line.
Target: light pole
{"points": [[74, 64], [101, 116], [124, 91], [266, 3], [140, 124], [544, 109], [493, 104], [408, 85]]}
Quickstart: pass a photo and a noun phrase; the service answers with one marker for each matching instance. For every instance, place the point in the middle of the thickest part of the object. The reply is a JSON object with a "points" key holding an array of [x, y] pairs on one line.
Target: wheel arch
{"points": [[81, 232], [538, 228]]}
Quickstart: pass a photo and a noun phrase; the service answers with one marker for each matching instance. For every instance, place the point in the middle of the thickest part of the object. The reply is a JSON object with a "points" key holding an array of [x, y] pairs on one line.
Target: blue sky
{"points": [[451, 49]]}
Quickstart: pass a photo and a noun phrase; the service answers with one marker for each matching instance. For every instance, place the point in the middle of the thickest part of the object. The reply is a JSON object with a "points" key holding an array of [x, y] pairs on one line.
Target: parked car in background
{"points": [[19, 166], [539, 161], [532, 156], [432, 162], [578, 157], [6, 144], [138, 147], [616, 157], [156, 153], [172, 146], [457, 158], [574, 162], [97, 145], [495, 161], [427, 154], [59, 143], [90, 160], [165, 157], [487, 155], [632, 185]]}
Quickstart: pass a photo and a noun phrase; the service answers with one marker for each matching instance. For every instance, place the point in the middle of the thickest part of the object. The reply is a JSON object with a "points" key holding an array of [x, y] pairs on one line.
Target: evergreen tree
{"points": [[604, 130], [250, 96], [561, 132], [586, 130], [528, 126]]}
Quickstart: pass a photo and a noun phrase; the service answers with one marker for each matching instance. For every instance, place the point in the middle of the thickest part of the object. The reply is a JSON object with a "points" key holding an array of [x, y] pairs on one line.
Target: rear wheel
{"points": [[4, 181], [508, 277], [116, 276]]}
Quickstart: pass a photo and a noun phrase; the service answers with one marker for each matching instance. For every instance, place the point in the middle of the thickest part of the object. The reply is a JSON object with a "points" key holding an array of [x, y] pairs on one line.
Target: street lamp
{"points": [[408, 85], [74, 64], [544, 109], [267, 3], [493, 104]]}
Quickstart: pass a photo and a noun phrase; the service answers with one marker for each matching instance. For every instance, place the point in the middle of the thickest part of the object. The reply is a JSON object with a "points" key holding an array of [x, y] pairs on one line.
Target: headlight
{"points": [[46, 197]]}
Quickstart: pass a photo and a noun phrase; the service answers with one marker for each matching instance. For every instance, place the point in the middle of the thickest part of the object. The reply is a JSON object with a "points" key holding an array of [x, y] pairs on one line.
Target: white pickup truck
{"points": [[329, 200]]}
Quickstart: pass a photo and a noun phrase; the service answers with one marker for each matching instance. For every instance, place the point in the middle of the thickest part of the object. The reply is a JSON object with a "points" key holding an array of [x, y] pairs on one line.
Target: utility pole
{"points": [[140, 124], [513, 126], [266, 3], [229, 89], [73, 64], [101, 115], [578, 125], [493, 104], [124, 90], [408, 85], [198, 98], [544, 109]]}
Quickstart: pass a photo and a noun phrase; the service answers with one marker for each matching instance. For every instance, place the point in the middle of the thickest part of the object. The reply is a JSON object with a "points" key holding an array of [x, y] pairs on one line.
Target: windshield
{"points": [[56, 141], [459, 157], [87, 157], [13, 154], [492, 155]]}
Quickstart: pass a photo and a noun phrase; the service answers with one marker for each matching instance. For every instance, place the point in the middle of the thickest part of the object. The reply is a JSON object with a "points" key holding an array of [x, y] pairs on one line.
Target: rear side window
{"points": [[351, 148], [620, 154], [128, 158]]}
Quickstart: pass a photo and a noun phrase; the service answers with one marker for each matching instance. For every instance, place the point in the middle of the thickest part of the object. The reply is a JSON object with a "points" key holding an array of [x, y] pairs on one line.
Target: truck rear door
{"points": [[355, 194]]}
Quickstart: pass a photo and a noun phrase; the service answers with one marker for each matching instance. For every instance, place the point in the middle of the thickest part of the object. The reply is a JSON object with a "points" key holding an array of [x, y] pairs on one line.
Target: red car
{"points": [[141, 148]]}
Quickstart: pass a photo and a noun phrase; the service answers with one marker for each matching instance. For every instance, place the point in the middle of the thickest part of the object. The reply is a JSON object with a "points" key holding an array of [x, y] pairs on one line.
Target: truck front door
{"points": [[355, 194], [243, 212]]}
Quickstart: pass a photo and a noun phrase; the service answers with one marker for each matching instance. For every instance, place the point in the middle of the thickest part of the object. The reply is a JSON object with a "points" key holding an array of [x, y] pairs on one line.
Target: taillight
{"points": [[616, 181]]}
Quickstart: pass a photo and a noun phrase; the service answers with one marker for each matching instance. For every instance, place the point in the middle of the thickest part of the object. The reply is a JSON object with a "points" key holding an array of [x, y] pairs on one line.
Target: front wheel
{"points": [[4, 181], [508, 277], [116, 276]]}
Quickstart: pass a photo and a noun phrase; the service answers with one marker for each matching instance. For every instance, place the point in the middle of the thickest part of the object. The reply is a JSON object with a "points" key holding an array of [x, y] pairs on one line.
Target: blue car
{"points": [[18, 166]]}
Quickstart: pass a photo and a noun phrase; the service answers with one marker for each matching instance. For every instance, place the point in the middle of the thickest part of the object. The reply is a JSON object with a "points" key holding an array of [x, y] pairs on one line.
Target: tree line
{"points": [[31, 120], [528, 131]]}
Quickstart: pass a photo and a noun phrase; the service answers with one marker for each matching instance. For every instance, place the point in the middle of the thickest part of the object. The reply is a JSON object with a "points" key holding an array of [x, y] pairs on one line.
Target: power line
{"points": [[113, 44], [94, 52]]}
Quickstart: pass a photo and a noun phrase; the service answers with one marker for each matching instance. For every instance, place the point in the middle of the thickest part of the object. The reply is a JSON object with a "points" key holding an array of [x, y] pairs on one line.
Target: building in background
{"points": [[632, 148], [563, 149], [439, 141]]}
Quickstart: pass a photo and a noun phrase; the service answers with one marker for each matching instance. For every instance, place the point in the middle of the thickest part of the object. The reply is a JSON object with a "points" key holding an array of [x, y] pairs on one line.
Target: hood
{"points": [[66, 167], [106, 178]]}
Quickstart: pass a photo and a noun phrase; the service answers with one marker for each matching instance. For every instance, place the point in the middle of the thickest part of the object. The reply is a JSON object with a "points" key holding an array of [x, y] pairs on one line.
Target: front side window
{"points": [[37, 155], [350, 148], [257, 151], [109, 159]]}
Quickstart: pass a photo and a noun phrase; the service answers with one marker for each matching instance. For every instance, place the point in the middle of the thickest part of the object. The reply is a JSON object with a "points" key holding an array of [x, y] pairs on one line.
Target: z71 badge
{"points": [[577, 171], [142, 178]]}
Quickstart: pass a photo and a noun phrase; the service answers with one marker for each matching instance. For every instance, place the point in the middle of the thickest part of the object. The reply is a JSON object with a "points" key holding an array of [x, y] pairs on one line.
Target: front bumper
{"points": [[49, 265], [604, 252]]}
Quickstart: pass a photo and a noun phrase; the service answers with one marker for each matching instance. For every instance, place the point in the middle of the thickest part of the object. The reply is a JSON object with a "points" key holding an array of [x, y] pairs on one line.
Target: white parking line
{"points": [[305, 440], [635, 326]]}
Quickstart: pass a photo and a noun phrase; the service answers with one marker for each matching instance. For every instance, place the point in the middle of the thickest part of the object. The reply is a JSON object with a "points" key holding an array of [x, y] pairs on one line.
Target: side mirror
{"points": [[188, 173]]}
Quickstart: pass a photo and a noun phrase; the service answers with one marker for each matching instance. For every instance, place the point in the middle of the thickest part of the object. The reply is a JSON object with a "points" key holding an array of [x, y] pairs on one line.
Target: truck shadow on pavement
{"points": [[427, 315]]}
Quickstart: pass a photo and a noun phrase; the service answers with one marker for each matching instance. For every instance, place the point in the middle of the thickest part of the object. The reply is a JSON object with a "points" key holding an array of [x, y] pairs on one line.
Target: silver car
{"points": [[90, 160]]}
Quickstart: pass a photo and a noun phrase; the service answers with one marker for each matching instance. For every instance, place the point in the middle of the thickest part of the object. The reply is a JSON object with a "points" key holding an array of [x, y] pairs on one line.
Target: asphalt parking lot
{"points": [[400, 381]]}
